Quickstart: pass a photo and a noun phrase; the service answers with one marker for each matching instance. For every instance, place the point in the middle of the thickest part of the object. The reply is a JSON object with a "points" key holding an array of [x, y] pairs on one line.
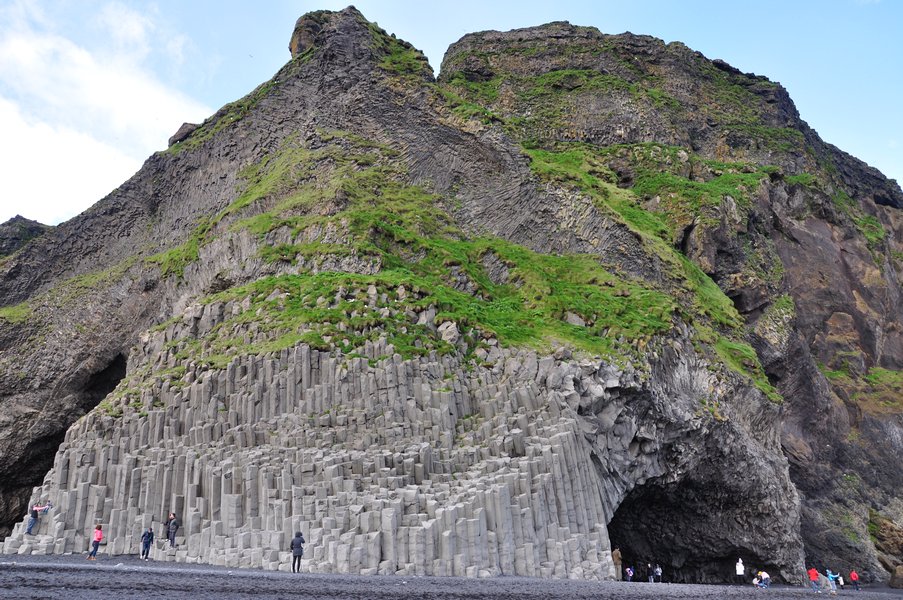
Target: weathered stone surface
{"points": [[896, 580], [519, 474], [16, 232]]}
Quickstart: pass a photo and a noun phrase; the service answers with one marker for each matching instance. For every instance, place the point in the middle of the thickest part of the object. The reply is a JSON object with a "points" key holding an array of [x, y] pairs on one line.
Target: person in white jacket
{"points": [[740, 570]]}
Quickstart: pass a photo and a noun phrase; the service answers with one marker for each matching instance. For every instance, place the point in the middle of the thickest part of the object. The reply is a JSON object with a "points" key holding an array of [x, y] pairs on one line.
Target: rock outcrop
{"points": [[582, 291], [16, 232]]}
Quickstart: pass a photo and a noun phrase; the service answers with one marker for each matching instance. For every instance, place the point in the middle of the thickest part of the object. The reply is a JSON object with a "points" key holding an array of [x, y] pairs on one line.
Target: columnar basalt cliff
{"points": [[584, 290]]}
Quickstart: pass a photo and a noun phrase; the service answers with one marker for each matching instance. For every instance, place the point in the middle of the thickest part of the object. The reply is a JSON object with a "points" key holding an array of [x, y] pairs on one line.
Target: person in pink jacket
{"points": [[98, 535]]}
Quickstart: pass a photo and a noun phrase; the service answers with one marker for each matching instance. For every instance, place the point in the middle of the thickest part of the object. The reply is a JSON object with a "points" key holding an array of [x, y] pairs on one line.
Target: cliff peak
{"points": [[311, 28], [17, 231], [348, 34]]}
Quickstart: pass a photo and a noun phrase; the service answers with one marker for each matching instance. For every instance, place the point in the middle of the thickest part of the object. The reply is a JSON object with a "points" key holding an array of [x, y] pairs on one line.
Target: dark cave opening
{"points": [[101, 383], [678, 527], [38, 455]]}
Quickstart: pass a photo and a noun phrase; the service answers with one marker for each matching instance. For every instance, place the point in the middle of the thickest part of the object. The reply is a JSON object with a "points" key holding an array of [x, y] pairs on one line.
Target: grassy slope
{"points": [[356, 189]]}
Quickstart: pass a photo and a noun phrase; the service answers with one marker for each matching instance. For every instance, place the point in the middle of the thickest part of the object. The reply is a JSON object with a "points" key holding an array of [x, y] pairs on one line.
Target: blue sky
{"points": [[90, 88]]}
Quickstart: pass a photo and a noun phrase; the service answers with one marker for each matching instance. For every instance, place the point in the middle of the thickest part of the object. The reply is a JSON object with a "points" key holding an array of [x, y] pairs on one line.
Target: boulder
{"points": [[182, 133], [896, 580]]}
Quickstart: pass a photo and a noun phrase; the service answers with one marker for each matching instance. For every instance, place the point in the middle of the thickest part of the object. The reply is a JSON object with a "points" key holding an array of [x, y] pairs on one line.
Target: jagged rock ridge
{"points": [[548, 191]]}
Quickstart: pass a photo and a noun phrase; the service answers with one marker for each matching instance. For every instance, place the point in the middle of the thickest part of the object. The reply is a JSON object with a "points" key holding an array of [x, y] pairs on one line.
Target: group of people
{"points": [[761, 579], [832, 579], [171, 526], [653, 573], [829, 580]]}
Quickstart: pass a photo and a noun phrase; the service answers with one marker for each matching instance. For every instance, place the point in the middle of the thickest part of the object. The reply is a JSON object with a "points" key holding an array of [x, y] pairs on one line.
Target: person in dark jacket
{"points": [[172, 526], [33, 515], [297, 548], [147, 538]]}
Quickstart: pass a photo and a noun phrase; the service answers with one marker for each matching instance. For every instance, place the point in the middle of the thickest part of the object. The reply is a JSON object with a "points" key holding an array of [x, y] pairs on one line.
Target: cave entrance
{"points": [[88, 389], [101, 383], [683, 528]]}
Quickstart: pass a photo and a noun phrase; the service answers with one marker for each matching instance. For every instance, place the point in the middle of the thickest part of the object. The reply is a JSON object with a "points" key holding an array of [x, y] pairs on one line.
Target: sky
{"points": [[90, 88]]}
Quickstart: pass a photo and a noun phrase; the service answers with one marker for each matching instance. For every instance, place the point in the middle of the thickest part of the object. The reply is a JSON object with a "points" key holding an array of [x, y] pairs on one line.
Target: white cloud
{"points": [[53, 173], [105, 106], [175, 48], [110, 96], [127, 28]]}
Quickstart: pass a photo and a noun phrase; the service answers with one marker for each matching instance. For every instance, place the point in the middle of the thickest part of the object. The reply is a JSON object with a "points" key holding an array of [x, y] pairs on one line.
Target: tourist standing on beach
{"points": [[297, 548], [98, 536], [616, 559], [147, 538], [813, 578], [740, 571]]}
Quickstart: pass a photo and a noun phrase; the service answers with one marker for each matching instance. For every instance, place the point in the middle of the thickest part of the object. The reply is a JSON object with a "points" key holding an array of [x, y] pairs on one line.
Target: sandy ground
{"points": [[125, 578]]}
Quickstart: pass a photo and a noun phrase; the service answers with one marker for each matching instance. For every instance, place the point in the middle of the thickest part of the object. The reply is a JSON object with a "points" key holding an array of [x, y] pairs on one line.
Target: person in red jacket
{"points": [[98, 535], [854, 577], [813, 578]]}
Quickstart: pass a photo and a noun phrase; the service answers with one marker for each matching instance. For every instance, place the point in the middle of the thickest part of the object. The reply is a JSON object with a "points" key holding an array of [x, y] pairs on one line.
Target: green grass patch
{"points": [[224, 117], [680, 200], [708, 297], [743, 359], [869, 227], [783, 139], [398, 56], [872, 230], [803, 179], [567, 80], [330, 310], [291, 252], [17, 313], [695, 194], [174, 260], [464, 108], [584, 168], [579, 167], [879, 391], [484, 92]]}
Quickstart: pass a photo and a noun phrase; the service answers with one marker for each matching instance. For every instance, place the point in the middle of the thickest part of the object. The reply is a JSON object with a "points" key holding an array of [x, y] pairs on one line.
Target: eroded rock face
{"points": [[675, 455], [423, 467], [16, 232], [796, 237]]}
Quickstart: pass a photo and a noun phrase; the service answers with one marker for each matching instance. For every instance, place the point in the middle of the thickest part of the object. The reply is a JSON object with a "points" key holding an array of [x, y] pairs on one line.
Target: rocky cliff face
{"points": [[584, 290], [16, 232]]}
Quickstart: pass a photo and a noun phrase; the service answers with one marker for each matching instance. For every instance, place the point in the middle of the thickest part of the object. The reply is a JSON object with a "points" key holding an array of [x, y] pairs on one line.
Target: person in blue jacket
{"points": [[147, 538], [832, 579]]}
